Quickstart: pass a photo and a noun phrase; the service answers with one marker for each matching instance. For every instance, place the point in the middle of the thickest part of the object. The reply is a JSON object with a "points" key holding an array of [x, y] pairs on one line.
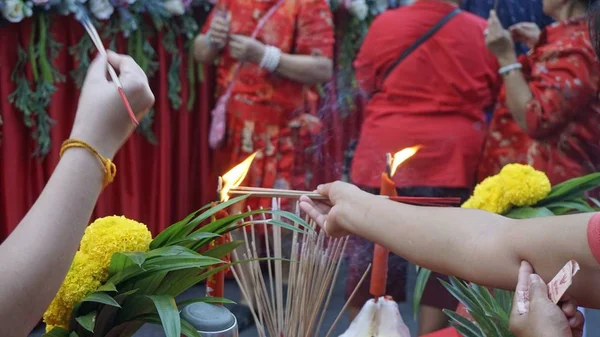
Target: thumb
{"points": [[537, 288], [324, 189], [98, 70], [521, 298]]}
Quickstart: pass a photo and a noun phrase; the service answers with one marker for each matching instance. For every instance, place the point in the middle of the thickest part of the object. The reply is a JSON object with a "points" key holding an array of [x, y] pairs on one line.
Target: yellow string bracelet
{"points": [[110, 170]]}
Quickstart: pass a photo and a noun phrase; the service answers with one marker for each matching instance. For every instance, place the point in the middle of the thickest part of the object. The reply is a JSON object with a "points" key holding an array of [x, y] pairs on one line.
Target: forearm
{"points": [[53, 227], [305, 69], [477, 246], [518, 94], [203, 51]]}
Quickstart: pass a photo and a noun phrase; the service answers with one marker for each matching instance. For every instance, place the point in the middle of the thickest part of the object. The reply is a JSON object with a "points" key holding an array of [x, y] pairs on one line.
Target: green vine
{"points": [[32, 98]]}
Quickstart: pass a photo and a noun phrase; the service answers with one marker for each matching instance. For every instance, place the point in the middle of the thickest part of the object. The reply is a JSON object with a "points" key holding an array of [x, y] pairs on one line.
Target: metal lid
{"points": [[208, 317]]}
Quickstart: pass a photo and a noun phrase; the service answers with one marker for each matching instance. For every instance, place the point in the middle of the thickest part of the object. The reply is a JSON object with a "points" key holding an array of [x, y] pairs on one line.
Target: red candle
{"points": [[215, 284], [380, 254]]}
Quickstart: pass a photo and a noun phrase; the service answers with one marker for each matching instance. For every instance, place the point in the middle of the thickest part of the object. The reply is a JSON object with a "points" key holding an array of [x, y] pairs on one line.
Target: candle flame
{"points": [[234, 177], [402, 156]]}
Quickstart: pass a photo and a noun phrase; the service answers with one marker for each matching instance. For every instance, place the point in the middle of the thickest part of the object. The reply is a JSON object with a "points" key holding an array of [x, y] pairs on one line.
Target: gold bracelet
{"points": [[110, 170]]}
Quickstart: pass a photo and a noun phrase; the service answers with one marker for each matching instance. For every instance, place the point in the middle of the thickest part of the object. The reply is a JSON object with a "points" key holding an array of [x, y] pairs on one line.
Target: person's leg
{"points": [[435, 299]]}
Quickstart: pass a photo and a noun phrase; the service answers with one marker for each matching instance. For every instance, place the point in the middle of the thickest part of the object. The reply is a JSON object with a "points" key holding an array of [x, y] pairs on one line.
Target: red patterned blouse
{"points": [[563, 118]]}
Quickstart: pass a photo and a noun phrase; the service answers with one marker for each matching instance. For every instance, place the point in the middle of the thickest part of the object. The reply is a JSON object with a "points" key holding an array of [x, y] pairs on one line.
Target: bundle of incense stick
{"points": [[95, 37], [315, 263], [259, 192]]}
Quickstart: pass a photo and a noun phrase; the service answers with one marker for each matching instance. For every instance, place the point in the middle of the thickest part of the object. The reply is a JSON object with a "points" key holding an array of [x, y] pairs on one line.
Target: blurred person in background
{"points": [[434, 97], [548, 112], [271, 96]]}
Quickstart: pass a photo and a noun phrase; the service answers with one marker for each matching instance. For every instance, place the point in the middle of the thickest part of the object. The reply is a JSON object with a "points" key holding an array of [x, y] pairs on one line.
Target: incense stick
{"points": [[95, 37], [314, 267], [258, 192]]}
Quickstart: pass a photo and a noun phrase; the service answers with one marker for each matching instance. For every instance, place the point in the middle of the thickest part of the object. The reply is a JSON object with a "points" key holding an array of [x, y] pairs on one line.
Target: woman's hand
{"points": [[543, 318], [218, 31], [246, 49], [102, 120], [329, 215], [499, 41], [527, 33]]}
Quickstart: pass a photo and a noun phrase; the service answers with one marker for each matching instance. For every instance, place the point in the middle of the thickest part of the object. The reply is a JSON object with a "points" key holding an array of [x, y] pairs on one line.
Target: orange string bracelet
{"points": [[110, 170]]}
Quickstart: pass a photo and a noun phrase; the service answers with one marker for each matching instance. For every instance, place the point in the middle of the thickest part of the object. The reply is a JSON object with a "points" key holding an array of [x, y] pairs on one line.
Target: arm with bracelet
{"points": [[35, 258]]}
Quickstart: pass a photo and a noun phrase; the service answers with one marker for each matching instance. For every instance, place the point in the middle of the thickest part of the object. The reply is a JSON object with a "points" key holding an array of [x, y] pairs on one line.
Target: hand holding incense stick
{"points": [[95, 37]]}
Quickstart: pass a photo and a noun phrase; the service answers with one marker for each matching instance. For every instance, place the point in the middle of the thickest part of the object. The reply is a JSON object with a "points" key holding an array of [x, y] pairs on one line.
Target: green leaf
{"points": [[570, 207], [107, 287], [220, 251], [126, 274], [174, 230], [470, 329], [529, 213], [73, 334], [422, 277], [87, 322], [122, 261], [189, 227], [216, 300], [102, 298], [296, 219], [572, 189], [171, 251], [168, 313], [285, 225], [197, 236], [57, 332]]}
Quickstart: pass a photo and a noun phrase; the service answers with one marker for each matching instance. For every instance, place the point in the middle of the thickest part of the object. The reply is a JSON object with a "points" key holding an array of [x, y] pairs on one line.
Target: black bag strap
{"points": [[419, 42]]}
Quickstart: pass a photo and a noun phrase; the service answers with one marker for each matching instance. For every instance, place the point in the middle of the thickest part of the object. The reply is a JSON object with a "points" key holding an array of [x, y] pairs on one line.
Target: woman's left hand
{"points": [[499, 41], [246, 49]]}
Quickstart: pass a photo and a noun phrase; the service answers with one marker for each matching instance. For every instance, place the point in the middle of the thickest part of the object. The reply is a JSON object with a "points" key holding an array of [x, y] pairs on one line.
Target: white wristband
{"points": [[271, 58], [507, 69]]}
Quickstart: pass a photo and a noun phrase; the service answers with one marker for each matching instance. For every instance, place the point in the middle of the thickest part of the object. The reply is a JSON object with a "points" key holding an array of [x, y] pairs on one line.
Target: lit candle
{"points": [[215, 284], [387, 188]]}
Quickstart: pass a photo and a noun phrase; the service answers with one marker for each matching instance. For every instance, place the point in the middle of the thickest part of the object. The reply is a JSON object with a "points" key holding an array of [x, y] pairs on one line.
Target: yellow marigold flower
{"points": [[89, 269], [112, 234], [524, 186], [489, 196], [84, 276]]}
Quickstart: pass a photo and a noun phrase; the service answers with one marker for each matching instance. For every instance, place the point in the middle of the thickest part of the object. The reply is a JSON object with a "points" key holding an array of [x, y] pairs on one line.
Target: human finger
{"points": [[569, 308], [97, 69], [577, 321], [314, 211], [521, 298], [538, 291]]}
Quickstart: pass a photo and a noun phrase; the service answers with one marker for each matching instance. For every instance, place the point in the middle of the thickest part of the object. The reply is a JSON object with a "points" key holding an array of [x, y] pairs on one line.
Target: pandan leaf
{"points": [[285, 225], [293, 217], [174, 230], [469, 329], [168, 313], [107, 287], [121, 261], [218, 300], [148, 285], [171, 251], [172, 263], [87, 322], [126, 274], [189, 227], [57, 332], [220, 251], [572, 189], [102, 298], [570, 206], [422, 278], [196, 237], [73, 334], [529, 213]]}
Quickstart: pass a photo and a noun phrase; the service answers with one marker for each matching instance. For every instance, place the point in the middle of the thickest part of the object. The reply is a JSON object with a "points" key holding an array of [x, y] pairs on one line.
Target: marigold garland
{"points": [[516, 185], [89, 269]]}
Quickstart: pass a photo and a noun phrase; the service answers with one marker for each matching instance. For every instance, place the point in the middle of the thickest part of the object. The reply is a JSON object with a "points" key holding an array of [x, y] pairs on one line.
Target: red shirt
{"points": [[435, 98], [563, 118], [300, 27]]}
